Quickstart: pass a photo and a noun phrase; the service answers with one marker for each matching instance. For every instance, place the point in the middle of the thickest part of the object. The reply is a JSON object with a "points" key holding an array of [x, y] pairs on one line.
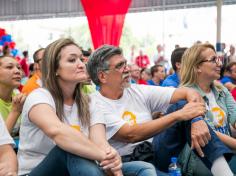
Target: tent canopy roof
{"points": [[38, 9]]}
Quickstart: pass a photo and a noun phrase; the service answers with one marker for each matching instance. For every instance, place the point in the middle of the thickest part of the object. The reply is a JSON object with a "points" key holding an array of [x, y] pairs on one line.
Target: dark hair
{"points": [[35, 55], [25, 53], [98, 60], [86, 53], [154, 69], [6, 50], [142, 70], [31, 67], [176, 56], [229, 67]]}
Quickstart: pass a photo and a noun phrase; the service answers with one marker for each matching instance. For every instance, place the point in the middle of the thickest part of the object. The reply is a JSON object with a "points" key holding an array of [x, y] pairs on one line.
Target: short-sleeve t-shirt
{"points": [[5, 137], [34, 144], [171, 81], [134, 107], [219, 119]]}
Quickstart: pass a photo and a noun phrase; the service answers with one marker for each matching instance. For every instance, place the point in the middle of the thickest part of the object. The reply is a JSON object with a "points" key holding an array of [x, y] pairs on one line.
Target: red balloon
{"points": [[12, 45], [2, 32]]}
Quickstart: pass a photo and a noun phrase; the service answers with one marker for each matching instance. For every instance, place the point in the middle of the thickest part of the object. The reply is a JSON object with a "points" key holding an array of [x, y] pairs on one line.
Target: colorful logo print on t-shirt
{"points": [[129, 117], [219, 116], [77, 127]]}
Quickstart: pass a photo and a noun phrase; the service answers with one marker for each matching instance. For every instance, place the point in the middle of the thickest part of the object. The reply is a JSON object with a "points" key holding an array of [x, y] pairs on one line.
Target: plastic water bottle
{"points": [[174, 169]]}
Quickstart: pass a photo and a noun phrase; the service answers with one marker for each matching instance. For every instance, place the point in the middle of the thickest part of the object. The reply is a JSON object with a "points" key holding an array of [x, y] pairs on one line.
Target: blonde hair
{"points": [[190, 61], [50, 64]]}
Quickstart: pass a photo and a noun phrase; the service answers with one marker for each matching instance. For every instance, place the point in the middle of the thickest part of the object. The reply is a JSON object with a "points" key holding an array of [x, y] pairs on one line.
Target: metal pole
{"points": [[163, 25], [218, 28]]}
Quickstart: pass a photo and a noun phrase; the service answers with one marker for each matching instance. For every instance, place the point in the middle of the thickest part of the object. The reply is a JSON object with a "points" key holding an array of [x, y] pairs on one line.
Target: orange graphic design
{"points": [[130, 118], [77, 127], [219, 115]]}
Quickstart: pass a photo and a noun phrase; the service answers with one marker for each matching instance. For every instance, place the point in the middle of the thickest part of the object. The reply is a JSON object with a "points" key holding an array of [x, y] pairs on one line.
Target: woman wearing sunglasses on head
{"points": [[200, 69]]}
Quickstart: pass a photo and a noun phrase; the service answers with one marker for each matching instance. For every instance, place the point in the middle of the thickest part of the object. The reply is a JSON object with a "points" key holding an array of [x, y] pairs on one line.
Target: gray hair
{"points": [[99, 61]]}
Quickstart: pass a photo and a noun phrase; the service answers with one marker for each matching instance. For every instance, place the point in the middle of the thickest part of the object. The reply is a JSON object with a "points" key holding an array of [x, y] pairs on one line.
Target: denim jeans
{"points": [[61, 163], [138, 168], [232, 164], [171, 141]]}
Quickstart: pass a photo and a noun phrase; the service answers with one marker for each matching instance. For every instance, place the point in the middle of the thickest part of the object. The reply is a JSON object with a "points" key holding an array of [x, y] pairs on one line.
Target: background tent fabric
{"points": [[106, 19]]}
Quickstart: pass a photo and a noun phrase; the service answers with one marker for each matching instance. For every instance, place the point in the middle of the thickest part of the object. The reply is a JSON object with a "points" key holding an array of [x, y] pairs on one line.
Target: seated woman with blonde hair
{"points": [[200, 68]]}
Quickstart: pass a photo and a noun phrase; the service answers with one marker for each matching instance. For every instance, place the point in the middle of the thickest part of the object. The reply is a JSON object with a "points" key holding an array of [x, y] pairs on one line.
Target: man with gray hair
{"points": [[126, 110]]}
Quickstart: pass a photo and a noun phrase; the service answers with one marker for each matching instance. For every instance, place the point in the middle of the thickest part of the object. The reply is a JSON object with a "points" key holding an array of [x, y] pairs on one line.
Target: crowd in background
{"points": [[75, 106]]}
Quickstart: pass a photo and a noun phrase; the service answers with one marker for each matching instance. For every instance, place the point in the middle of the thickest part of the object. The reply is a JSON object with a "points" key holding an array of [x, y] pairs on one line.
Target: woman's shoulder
{"points": [[219, 86], [38, 95], [40, 91]]}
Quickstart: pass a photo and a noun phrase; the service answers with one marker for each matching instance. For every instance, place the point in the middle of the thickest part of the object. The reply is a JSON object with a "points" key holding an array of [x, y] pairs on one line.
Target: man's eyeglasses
{"points": [[119, 66], [214, 59]]}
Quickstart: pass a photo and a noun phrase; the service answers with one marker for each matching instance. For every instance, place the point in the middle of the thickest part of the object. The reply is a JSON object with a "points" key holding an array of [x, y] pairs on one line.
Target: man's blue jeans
{"points": [[138, 168], [170, 142]]}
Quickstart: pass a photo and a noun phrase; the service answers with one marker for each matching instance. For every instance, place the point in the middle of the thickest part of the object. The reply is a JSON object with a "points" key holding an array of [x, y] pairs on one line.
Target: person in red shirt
{"points": [[24, 63], [142, 60], [144, 76], [233, 92]]}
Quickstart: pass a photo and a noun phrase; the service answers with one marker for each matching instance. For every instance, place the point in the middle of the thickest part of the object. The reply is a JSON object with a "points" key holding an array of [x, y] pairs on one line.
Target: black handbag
{"points": [[142, 152]]}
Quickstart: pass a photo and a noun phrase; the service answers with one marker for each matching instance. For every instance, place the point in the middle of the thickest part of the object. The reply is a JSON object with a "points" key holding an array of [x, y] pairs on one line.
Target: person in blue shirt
{"points": [[229, 79], [176, 57], [158, 74]]}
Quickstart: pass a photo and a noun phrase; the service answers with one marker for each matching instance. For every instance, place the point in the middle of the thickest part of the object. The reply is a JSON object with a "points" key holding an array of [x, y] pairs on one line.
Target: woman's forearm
{"points": [[11, 120], [227, 140], [77, 143], [97, 133], [8, 160]]}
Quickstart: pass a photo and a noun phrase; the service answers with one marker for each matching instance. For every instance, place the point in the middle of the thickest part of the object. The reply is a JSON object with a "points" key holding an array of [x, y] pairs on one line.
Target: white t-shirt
{"points": [[34, 144], [134, 107], [5, 137], [219, 119]]}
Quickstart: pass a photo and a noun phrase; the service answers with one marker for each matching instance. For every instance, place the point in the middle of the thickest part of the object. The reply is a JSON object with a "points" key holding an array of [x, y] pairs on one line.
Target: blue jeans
{"points": [[61, 163], [171, 141], [138, 168], [232, 164]]}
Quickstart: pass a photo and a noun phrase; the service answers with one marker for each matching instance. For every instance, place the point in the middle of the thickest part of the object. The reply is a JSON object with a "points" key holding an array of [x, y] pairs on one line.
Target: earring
{"points": [[56, 74]]}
